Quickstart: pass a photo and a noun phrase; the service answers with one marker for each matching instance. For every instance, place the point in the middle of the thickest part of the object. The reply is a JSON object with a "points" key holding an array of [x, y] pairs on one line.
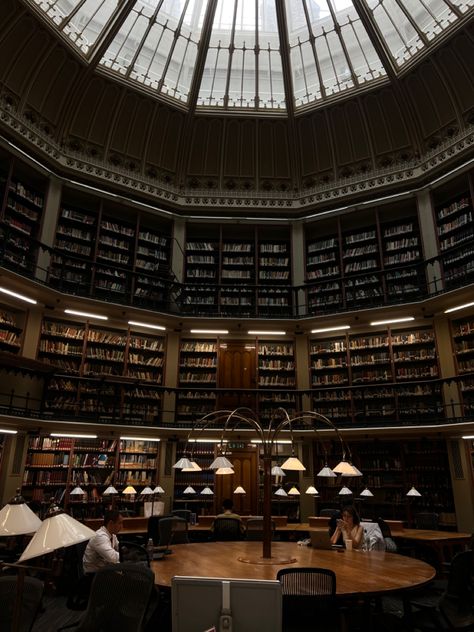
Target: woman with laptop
{"points": [[349, 528]]}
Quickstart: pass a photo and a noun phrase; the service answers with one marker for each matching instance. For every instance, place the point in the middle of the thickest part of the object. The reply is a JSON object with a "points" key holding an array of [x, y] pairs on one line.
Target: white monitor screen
{"points": [[200, 604]]}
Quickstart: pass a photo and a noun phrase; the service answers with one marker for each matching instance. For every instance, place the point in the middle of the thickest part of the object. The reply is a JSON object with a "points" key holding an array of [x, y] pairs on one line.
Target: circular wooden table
{"points": [[357, 572]]}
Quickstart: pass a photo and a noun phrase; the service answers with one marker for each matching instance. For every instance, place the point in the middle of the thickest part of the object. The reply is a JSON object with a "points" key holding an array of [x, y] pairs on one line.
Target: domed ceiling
{"points": [[253, 54], [241, 103]]}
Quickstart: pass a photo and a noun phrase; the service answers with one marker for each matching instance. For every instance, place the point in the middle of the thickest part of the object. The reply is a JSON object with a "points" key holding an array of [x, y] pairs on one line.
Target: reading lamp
{"points": [[16, 518], [58, 530]]}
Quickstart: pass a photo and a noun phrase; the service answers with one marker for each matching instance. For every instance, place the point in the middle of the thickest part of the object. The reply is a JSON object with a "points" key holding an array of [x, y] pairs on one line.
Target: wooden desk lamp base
{"points": [[278, 561]]}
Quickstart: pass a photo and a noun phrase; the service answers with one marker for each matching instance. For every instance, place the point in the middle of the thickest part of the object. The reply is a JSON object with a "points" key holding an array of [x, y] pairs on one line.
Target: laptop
{"points": [[320, 540]]}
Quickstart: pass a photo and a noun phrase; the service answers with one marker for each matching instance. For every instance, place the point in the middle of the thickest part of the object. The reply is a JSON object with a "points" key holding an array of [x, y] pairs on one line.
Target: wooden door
{"points": [[245, 462], [237, 369]]}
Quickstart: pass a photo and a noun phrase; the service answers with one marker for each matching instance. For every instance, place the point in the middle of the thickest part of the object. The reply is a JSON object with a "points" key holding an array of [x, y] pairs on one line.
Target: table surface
{"points": [[358, 572]]}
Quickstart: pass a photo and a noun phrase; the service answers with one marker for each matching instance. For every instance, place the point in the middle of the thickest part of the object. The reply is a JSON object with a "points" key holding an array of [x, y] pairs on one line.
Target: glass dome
{"points": [[253, 55]]}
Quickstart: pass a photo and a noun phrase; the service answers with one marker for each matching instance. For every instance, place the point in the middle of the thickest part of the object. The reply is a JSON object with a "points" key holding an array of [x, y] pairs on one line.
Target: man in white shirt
{"points": [[103, 547]]}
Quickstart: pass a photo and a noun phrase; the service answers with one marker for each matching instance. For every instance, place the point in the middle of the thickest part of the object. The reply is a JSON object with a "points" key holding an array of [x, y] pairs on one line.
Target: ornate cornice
{"points": [[79, 164]]}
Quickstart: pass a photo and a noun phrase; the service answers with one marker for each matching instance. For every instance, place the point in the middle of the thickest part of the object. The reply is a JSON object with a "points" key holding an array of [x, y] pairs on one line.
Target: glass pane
{"points": [[248, 31]]}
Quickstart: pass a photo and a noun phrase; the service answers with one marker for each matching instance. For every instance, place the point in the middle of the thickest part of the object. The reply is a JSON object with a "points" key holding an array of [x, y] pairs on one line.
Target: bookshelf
{"points": [[453, 208], [237, 278], [21, 216], [323, 265], [89, 358], [76, 233], [197, 377], [463, 339], [114, 257], [47, 469], [138, 462], [364, 260], [276, 371], [10, 333], [392, 375], [401, 252], [201, 272], [151, 266], [274, 277]]}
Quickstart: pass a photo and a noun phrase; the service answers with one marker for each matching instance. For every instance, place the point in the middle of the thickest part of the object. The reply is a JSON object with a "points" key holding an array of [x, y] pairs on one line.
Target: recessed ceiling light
{"points": [[150, 326], [140, 439], [393, 320], [85, 314], [21, 297], [255, 332], [209, 331], [454, 309], [324, 329], [73, 435]]}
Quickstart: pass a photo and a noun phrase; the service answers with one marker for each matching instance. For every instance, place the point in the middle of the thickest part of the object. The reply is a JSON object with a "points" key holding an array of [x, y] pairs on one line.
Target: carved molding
{"points": [[159, 188]]}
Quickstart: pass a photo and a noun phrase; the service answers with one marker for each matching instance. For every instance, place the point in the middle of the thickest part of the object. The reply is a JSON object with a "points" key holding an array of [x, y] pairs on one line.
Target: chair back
{"points": [[183, 513], [227, 529], [119, 598], [133, 553], [173, 530], [315, 582], [455, 604], [31, 598], [309, 596], [254, 529], [427, 520]]}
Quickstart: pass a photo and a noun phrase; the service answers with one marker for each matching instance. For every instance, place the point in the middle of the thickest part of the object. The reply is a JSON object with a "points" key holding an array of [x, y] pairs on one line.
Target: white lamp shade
{"points": [[220, 462], [277, 471], [293, 491], [18, 520], [194, 468], [311, 490], [413, 492], [55, 533], [239, 490], [292, 463], [366, 492], [77, 491], [344, 468], [129, 490], [345, 491], [207, 491], [326, 472], [182, 463], [158, 490], [224, 470], [146, 491], [110, 491], [189, 490], [280, 492]]}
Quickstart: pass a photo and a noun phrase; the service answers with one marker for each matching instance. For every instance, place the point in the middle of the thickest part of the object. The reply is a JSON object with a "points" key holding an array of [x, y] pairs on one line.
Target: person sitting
{"points": [[348, 527], [103, 547], [228, 512]]}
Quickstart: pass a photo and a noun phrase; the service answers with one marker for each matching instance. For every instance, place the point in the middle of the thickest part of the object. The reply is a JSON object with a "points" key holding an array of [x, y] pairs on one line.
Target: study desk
{"points": [[358, 573], [443, 543]]}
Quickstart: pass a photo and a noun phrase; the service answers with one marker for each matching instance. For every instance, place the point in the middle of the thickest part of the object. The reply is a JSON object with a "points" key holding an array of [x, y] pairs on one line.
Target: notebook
{"points": [[320, 540]]}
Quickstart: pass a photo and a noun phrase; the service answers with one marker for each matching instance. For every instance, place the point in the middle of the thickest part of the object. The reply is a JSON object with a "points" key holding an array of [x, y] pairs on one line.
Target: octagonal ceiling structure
{"points": [[209, 102]]}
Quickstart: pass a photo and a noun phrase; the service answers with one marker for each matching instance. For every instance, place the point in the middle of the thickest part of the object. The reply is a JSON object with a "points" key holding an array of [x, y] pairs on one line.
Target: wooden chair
{"points": [[427, 520]]}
